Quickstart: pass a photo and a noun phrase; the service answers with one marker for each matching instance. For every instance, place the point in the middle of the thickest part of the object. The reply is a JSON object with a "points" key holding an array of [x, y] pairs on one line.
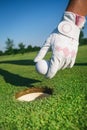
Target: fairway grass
{"points": [[65, 109]]}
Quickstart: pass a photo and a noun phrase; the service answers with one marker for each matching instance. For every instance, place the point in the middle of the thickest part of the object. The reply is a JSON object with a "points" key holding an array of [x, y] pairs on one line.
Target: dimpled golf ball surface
{"points": [[42, 67]]}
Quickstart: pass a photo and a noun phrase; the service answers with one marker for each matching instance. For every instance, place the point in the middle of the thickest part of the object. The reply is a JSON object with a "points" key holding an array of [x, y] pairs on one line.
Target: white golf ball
{"points": [[42, 66]]}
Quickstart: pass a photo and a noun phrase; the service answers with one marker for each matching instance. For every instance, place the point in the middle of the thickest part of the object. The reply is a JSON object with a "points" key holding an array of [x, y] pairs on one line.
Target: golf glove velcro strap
{"points": [[69, 29]]}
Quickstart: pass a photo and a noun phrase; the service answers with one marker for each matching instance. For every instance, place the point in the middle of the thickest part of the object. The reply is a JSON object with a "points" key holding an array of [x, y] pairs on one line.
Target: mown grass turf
{"points": [[66, 109]]}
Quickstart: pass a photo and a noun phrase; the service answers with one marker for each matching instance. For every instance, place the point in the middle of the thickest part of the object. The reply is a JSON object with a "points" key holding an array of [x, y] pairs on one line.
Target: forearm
{"points": [[77, 6]]}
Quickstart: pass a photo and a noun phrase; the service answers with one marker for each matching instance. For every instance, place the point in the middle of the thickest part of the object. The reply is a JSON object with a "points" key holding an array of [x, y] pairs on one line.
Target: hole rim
{"points": [[44, 90]]}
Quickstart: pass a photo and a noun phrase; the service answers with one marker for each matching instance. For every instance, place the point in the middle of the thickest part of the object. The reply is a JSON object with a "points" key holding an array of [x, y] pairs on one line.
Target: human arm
{"points": [[64, 43]]}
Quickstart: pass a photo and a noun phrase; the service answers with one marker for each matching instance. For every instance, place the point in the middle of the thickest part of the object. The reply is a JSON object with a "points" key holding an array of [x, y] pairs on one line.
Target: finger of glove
{"points": [[67, 63], [72, 62], [43, 50], [55, 65]]}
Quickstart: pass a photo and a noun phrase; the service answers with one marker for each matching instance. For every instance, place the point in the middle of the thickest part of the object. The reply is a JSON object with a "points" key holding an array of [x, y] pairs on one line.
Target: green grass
{"points": [[66, 109]]}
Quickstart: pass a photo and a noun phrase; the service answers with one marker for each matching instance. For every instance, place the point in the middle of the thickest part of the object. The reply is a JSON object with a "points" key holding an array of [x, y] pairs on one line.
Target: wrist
{"points": [[77, 19]]}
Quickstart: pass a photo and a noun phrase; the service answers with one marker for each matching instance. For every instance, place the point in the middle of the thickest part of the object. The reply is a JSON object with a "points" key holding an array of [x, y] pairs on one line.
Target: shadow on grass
{"points": [[19, 62], [31, 62], [17, 80], [80, 64]]}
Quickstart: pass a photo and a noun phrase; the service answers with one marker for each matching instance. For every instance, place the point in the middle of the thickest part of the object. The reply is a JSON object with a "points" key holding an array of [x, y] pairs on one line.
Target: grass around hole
{"points": [[65, 109]]}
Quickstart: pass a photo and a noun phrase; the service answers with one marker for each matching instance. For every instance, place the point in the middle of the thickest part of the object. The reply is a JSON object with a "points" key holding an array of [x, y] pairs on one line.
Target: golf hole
{"points": [[32, 94]]}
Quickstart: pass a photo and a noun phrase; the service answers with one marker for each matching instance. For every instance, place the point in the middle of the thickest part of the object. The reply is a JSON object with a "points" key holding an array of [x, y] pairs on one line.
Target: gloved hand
{"points": [[64, 44]]}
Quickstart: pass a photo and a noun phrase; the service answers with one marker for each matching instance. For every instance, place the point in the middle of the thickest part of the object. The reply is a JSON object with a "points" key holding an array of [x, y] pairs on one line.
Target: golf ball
{"points": [[42, 66]]}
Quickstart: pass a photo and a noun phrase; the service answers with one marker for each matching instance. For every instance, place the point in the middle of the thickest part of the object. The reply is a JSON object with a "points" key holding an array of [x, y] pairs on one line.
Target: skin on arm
{"points": [[78, 7]]}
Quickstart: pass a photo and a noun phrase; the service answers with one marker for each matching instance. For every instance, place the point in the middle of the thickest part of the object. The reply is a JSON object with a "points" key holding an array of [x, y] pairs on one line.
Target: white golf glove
{"points": [[64, 43]]}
